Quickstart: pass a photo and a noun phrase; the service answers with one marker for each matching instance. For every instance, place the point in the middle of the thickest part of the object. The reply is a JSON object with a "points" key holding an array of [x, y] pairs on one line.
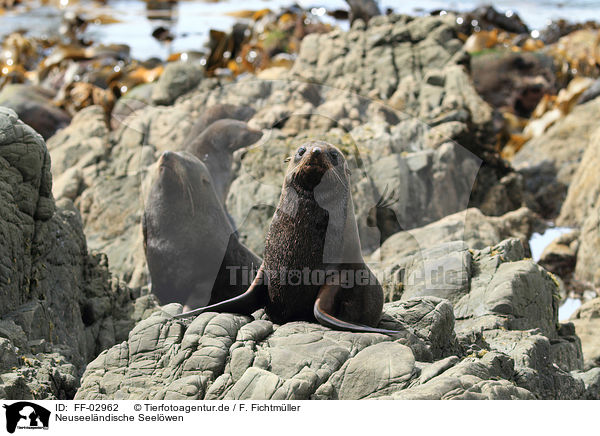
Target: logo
{"points": [[26, 415]]}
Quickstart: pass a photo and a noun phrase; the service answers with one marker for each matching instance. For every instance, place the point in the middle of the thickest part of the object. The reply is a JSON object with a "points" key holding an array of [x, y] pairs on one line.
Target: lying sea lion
{"points": [[193, 253], [215, 147], [313, 267]]}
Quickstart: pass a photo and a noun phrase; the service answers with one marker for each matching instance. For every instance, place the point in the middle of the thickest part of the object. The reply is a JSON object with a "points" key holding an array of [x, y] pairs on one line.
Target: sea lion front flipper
{"points": [[324, 305], [254, 298]]}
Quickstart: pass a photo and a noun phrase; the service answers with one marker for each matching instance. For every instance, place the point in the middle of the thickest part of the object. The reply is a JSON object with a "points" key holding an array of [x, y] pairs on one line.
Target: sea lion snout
{"points": [[315, 158], [167, 163], [312, 161], [165, 158]]}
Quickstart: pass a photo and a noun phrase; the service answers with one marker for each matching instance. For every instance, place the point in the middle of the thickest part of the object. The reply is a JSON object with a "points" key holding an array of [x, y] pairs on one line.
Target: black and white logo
{"points": [[24, 415]]}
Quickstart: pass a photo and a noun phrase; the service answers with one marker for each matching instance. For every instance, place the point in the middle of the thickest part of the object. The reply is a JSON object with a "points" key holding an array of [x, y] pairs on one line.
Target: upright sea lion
{"points": [[215, 147], [193, 254], [313, 266]]}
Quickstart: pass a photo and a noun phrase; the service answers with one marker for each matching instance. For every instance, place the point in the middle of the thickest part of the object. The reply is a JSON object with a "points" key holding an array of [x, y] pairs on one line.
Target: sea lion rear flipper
{"points": [[324, 305], [246, 303]]}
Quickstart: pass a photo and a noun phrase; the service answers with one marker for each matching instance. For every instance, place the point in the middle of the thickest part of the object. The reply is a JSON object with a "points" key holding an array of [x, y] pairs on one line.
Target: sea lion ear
{"points": [[287, 159]]}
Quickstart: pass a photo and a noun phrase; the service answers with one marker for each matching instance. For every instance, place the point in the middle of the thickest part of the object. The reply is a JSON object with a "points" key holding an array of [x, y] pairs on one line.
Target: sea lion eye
{"points": [[301, 151], [334, 155]]}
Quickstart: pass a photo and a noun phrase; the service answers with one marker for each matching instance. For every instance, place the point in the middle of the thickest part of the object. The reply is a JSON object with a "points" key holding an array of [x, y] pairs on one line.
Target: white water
{"points": [[568, 308], [539, 242]]}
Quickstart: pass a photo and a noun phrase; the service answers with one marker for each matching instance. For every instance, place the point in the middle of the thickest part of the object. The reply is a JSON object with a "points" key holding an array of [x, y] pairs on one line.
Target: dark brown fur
{"points": [[297, 241]]}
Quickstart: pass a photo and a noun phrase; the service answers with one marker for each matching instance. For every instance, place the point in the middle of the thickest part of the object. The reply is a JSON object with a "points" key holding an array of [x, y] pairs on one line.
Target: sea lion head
{"points": [[315, 163], [179, 177], [235, 134]]}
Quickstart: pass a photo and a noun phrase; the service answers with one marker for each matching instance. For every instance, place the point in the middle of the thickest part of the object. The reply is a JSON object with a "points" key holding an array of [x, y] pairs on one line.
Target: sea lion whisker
{"points": [[189, 190]]}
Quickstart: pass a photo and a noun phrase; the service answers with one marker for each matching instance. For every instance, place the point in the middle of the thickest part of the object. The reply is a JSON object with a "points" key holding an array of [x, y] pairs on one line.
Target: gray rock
{"points": [[534, 366], [505, 346], [68, 184], [549, 162], [403, 254], [84, 143], [134, 100], [587, 266], [177, 79], [591, 381], [430, 319], [472, 378], [377, 370], [240, 358], [59, 306], [587, 322], [582, 197]]}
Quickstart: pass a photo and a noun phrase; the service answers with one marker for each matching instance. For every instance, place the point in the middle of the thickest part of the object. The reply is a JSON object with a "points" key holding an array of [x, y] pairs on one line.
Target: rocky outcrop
{"points": [[59, 306], [394, 95], [549, 162], [476, 318], [468, 352], [581, 209], [584, 190], [587, 324], [178, 78], [587, 267], [474, 229]]}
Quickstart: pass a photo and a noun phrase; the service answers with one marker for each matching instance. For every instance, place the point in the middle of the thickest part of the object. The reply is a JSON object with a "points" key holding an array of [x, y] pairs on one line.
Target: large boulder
{"points": [[177, 79], [549, 162], [59, 306], [587, 325], [582, 209], [587, 267], [470, 226], [584, 190]]}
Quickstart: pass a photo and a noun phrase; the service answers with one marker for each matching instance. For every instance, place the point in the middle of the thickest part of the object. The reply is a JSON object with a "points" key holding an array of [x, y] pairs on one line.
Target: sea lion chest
{"points": [[293, 257]]}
